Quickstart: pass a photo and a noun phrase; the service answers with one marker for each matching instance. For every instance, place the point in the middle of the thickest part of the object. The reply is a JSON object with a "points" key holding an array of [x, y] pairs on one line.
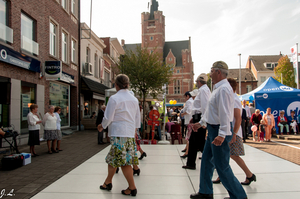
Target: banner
{"points": [[17, 59]]}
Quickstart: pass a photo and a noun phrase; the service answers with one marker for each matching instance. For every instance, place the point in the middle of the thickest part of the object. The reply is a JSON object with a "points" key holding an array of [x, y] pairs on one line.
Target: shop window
{"points": [[60, 96], [5, 90], [28, 97]]}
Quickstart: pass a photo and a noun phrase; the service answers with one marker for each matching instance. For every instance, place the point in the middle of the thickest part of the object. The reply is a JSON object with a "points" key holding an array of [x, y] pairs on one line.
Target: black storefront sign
{"points": [[17, 59]]}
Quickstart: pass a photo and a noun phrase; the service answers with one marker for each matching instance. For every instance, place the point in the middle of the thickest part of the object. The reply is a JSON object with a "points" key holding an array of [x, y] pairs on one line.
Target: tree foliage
{"points": [[146, 71], [209, 81], [285, 68]]}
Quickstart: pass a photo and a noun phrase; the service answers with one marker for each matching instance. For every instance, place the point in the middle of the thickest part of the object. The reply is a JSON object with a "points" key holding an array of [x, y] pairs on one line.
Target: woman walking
{"points": [[50, 133], [122, 115], [34, 128], [270, 124], [57, 111]]}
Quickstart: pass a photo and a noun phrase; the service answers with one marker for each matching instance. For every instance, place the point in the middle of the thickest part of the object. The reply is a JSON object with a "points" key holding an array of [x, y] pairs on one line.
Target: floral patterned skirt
{"points": [[122, 152]]}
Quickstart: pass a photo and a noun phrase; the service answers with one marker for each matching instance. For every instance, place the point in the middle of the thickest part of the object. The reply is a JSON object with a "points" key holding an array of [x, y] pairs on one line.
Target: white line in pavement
{"points": [[286, 144]]}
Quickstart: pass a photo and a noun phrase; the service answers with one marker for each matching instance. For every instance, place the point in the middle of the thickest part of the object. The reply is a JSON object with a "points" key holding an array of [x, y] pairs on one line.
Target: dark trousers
{"points": [[100, 137], [196, 142], [244, 129], [247, 128], [183, 128]]}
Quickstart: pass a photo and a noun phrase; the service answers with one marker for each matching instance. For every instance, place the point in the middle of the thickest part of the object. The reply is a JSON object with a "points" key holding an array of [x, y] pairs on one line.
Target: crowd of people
{"points": [[215, 123]]}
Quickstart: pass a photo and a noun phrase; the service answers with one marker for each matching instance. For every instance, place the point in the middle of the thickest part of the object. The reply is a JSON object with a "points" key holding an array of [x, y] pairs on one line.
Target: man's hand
{"points": [[191, 121], [100, 128], [233, 139], [218, 141]]}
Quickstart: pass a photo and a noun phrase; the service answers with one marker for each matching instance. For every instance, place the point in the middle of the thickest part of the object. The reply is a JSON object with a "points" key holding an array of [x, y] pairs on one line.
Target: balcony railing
{"points": [[30, 46], [6, 33]]}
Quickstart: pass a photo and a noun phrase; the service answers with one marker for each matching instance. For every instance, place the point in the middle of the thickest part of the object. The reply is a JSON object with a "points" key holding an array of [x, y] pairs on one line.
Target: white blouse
{"points": [[122, 115], [49, 121], [32, 119]]}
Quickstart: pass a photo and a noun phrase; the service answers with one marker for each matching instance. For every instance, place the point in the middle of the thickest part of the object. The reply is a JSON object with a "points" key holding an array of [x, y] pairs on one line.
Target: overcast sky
{"points": [[219, 29]]}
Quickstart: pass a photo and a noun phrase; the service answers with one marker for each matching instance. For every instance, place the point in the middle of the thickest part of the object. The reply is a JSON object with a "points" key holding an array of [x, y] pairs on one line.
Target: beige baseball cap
{"points": [[220, 65], [202, 77]]}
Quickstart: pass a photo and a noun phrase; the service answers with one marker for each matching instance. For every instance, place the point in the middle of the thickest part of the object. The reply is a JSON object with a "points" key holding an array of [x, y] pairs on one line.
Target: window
{"points": [[170, 59], [28, 97], [28, 27], [167, 89], [74, 53], [6, 33], [177, 87], [151, 51], [96, 68], [177, 71], [262, 79], [249, 88], [59, 96], [64, 47], [64, 4], [53, 39], [74, 5], [106, 79], [87, 59], [268, 65], [151, 38]]}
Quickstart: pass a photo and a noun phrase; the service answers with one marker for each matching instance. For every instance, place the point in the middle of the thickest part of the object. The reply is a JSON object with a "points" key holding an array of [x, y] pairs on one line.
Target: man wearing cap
{"points": [[197, 139], [217, 118]]}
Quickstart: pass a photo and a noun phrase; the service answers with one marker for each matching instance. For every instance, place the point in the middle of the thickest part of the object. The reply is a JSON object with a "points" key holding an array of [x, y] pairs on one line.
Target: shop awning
{"points": [[91, 85]]}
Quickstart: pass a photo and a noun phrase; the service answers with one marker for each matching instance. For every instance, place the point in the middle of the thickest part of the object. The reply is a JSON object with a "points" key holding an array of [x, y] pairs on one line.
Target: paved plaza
{"points": [[78, 171], [163, 178]]}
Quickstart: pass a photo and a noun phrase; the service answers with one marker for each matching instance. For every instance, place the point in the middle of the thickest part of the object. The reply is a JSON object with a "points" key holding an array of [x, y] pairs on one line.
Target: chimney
{"points": [[122, 42]]}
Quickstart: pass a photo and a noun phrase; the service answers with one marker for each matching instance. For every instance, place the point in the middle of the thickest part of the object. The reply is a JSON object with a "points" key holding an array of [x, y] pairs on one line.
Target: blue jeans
{"points": [[218, 157]]}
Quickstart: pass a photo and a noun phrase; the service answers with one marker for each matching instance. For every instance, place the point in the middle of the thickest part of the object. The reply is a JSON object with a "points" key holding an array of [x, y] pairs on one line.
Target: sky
{"points": [[219, 29]]}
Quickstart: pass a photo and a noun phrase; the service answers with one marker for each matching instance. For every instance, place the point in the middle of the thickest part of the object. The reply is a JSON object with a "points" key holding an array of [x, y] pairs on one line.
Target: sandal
{"points": [[107, 187]]}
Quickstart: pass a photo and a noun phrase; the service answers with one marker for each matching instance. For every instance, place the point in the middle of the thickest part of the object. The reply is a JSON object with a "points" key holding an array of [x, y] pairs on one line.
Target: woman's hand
{"points": [[233, 139]]}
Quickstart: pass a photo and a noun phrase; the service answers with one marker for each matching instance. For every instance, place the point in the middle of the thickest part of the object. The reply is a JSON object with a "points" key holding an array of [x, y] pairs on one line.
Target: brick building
{"points": [[32, 33], [174, 53], [248, 80]]}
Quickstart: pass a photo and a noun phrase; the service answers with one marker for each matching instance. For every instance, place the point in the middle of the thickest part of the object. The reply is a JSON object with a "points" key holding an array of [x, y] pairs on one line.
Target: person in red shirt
{"points": [[255, 120]]}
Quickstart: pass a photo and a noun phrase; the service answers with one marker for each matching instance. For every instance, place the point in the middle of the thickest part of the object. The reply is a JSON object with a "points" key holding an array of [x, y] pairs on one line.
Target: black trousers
{"points": [[183, 128], [100, 137], [196, 142], [243, 129]]}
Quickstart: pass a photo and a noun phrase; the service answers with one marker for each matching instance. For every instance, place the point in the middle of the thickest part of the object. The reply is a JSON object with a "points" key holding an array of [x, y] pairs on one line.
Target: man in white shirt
{"points": [[197, 139], [216, 154]]}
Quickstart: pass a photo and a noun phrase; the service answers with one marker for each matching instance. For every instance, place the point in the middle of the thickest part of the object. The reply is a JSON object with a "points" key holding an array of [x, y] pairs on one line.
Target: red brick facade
{"points": [[153, 37], [41, 12]]}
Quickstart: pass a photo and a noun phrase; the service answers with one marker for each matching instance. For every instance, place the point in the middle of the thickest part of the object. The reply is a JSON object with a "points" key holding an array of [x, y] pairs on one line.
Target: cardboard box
{"points": [[27, 158]]}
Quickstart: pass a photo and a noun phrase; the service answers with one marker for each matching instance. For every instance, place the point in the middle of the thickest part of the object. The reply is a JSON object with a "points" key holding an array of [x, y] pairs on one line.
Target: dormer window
{"points": [[170, 59], [270, 65]]}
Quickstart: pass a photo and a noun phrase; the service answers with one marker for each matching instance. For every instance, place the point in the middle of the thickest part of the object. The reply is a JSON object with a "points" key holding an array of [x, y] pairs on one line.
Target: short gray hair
{"points": [[51, 106], [224, 72]]}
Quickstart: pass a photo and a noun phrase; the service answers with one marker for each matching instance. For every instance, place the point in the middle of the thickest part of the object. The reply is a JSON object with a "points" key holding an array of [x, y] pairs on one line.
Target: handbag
{"points": [[273, 130], [283, 122]]}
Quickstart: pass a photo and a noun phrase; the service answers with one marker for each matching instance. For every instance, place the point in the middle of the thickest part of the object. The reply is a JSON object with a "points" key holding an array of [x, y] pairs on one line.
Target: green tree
{"points": [[146, 71], [285, 68], [209, 81]]}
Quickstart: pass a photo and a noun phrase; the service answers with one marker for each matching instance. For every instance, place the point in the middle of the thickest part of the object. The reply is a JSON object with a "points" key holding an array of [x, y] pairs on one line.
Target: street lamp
{"points": [[240, 76]]}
